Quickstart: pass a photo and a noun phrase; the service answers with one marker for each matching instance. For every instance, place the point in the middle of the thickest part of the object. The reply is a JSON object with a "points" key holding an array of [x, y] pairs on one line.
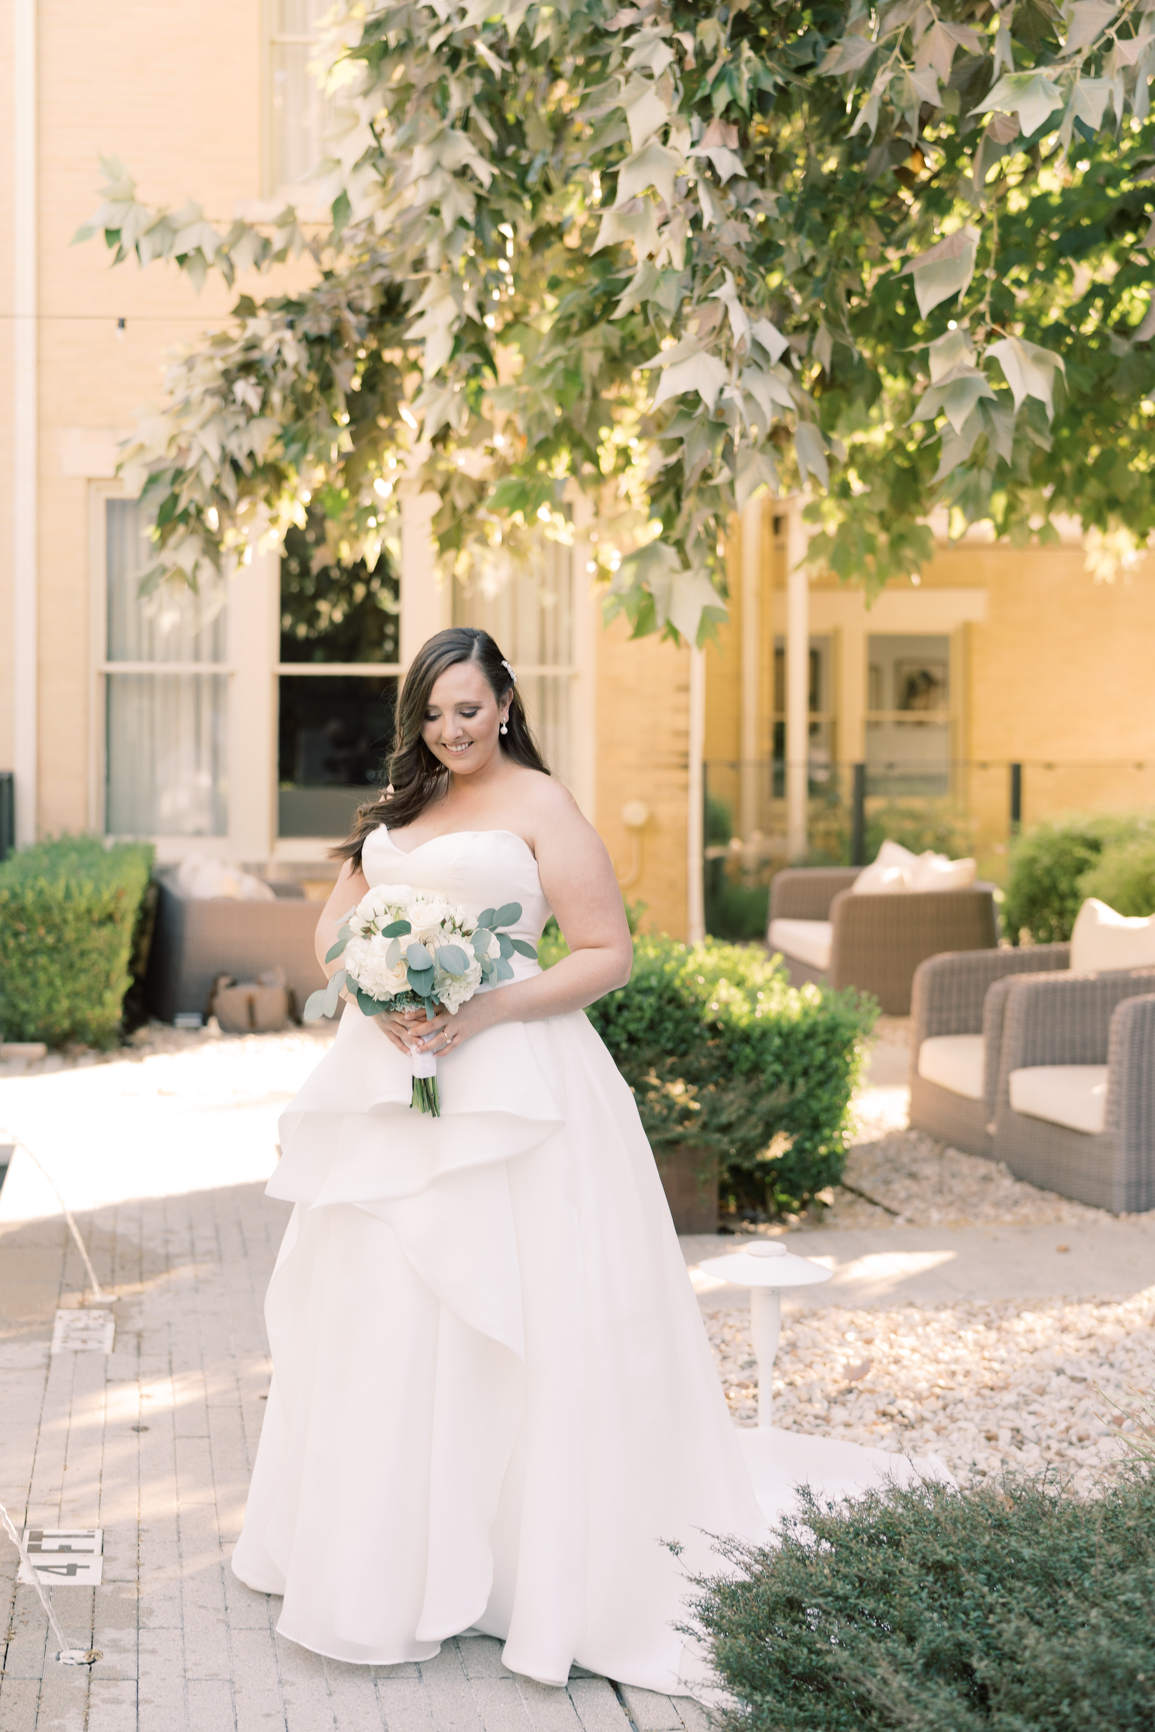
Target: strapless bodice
{"points": [[478, 869]]}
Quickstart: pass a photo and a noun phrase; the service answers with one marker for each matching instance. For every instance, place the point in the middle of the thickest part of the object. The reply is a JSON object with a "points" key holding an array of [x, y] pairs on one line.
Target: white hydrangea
{"points": [[454, 989], [365, 959]]}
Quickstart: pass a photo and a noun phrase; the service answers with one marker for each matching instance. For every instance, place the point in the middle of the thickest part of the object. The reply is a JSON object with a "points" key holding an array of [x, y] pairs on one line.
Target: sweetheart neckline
{"points": [[407, 853]]}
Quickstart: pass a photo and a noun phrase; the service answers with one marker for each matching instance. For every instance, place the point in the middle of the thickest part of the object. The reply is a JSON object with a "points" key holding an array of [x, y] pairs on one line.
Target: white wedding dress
{"points": [[493, 1398]]}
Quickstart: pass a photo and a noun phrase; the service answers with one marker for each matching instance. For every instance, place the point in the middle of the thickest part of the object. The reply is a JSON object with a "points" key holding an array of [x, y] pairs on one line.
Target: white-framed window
{"points": [[337, 678], [531, 616], [298, 114], [163, 700], [909, 712]]}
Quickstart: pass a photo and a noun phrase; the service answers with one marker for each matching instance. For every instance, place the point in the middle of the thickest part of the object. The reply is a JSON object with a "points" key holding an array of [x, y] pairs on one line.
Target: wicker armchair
{"points": [[958, 1002], [194, 941], [1103, 1024], [877, 941]]}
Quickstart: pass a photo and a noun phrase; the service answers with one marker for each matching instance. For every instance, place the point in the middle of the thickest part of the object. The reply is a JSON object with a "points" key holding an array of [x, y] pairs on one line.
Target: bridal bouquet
{"points": [[412, 947]]}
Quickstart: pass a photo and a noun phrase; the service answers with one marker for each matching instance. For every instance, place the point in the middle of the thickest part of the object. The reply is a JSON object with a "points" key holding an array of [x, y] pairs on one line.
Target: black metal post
{"points": [[1016, 798], [858, 817], [7, 813]]}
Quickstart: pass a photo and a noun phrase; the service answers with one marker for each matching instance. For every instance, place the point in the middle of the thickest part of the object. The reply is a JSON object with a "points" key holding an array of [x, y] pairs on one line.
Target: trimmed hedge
{"points": [[723, 1054], [1005, 1609], [1124, 877], [68, 916], [1049, 868]]}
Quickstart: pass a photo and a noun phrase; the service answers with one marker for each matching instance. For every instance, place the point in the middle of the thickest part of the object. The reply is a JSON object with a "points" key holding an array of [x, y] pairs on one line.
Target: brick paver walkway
{"points": [[154, 1443]]}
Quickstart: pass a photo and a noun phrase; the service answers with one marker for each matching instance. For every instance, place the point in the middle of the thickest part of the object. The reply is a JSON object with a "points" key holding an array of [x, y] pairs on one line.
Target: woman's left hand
{"points": [[446, 1034]]}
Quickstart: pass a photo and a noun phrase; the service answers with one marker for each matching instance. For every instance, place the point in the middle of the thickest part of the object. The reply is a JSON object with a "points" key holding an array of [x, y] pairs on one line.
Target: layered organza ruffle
{"points": [[494, 1405]]}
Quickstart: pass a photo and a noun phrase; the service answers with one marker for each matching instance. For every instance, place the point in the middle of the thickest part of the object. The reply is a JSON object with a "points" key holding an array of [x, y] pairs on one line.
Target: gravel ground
{"points": [[988, 1387]]}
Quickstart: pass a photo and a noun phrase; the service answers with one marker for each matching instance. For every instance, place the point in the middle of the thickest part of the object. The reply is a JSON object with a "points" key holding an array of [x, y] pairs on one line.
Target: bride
{"points": [[494, 1408]]}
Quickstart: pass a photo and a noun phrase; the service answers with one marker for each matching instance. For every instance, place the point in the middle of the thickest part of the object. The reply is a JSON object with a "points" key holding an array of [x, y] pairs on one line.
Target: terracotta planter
{"points": [[690, 1180]]}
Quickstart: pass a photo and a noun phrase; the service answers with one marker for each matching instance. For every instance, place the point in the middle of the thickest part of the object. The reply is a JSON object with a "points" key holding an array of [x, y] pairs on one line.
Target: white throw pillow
{"points": [[936, 872], [202, 877], [1104, 939], [891, 870]]}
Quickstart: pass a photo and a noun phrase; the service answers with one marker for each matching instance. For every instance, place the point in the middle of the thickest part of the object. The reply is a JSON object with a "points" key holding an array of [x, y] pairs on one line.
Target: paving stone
{"points": [[19, 1699], [405, 1707], [481, 1657], [597, 1705], [550, 1709], [210, 1705], [111, 1704], [500, 1705], [651, 1712]]}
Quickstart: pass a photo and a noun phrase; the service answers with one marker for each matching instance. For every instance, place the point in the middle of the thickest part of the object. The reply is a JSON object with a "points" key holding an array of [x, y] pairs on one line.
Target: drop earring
{"points": [[505, 727]]}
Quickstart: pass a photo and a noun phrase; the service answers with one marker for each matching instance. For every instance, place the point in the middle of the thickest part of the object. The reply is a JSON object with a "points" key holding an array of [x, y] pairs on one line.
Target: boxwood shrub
{"points": [[1012, 1608], [1049, 868], [724, 1055], [68, 917]]}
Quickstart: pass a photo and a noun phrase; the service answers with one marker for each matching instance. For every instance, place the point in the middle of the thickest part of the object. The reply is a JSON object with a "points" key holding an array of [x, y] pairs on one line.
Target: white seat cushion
{"points": [[1104, 939], [805, 940], [954, 1062], [1074, 1095]]}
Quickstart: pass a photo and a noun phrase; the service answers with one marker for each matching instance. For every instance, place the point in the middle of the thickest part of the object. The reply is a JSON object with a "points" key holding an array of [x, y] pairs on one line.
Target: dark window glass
{"points": [[335, 730]]}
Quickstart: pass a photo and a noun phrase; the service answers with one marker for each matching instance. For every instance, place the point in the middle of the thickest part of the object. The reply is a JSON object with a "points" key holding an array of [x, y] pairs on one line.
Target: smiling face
{"points": [[462, 719]]}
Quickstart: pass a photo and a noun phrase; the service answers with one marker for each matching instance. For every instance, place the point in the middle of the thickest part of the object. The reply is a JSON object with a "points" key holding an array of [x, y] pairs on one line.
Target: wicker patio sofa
{"points": [[1075, 1100], [957, 1013], [875, 941], [195, 940]]}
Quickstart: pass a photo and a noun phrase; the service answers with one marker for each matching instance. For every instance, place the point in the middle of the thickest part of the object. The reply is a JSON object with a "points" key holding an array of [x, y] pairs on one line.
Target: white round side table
{"points": [[765, 1266]]}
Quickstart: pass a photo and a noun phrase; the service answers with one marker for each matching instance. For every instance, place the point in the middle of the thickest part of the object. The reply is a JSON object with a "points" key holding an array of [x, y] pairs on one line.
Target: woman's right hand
{"points": [[402, 1027]]}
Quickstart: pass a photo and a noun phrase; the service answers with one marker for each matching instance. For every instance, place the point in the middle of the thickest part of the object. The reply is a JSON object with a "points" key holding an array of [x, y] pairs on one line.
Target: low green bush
{"points": [[1124, 877], [1018, 1608], [68, 918], [723, 1054], [1048, 866]]}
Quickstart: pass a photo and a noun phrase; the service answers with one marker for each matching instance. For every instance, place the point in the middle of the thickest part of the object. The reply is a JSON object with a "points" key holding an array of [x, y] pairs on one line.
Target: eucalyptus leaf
{"points": [[315, 1006], [336, 950], [396, 929], [508, 914], [524, 949], [417, 957], [488, 918], [453, 959], [393, 953]]}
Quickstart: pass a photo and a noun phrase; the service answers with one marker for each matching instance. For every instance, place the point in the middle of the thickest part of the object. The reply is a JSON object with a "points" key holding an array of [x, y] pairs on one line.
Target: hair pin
{"points": [[509, 670]]}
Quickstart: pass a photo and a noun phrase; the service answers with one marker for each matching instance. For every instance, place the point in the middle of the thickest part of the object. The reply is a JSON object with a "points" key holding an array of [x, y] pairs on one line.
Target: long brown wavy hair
{"points": [[415, 775]]}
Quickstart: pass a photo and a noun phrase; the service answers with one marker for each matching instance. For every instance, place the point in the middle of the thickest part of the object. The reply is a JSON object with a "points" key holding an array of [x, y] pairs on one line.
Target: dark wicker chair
{"points": [[195, 941], [879, 940], [1084, 1019], [955, 995]]}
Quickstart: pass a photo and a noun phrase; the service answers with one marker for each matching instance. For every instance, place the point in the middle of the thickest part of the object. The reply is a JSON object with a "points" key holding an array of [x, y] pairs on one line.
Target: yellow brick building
{"points": [[211, 730]]}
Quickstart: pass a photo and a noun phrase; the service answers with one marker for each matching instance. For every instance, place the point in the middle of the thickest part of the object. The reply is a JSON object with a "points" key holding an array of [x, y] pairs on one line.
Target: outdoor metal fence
{"points": [[7, 813], [954, 806]]}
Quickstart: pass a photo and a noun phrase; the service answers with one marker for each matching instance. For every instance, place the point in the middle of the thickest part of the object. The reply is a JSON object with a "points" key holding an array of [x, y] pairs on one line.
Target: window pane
{"points": [[338, 613], [335, 732], [530, 615], [908, 742], [170, 625], [166, 744]]}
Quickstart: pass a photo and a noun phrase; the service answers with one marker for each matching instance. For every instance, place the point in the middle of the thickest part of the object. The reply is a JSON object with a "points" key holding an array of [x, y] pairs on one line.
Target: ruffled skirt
{"points": [[494, 1405]]}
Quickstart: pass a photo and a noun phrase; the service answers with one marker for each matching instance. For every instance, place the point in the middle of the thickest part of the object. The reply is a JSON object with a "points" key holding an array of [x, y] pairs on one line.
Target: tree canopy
{"points": [[669, 255]]}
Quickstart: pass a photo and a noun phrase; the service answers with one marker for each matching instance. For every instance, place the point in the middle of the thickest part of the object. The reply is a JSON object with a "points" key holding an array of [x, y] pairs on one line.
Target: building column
{"points": [[750, 623], [695, 817], [797, 680], [25, 459], [426, 600], [254, 641]]}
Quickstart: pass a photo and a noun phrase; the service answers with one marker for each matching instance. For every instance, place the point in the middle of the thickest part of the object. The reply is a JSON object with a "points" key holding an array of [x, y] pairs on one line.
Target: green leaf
{"points": [[396, 929], [524, 949], [508, 914], [336, 950], [488, 918], [417, 958], [453, 959]]}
